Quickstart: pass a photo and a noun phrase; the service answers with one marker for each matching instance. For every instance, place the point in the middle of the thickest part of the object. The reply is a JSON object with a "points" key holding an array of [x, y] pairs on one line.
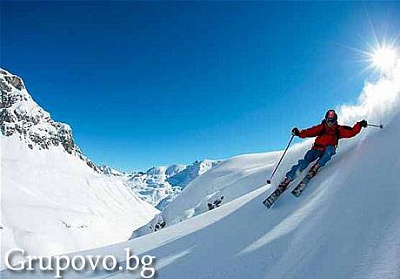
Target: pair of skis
{"points": [[269, 201]]}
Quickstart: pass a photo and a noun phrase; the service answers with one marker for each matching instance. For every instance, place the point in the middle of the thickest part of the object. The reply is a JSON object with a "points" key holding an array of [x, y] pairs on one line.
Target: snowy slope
{"points": [[240, 175], [231, 178], [345, 225], [53, 199]]}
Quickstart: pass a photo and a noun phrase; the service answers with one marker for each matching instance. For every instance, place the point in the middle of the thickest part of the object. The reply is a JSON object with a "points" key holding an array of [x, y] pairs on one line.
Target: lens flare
{"points": [[384, 58]]}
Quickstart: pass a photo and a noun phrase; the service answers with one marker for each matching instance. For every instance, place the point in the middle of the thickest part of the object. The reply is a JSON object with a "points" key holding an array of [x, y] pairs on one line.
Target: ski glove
{"points": [[295, 132], [363, 123]]}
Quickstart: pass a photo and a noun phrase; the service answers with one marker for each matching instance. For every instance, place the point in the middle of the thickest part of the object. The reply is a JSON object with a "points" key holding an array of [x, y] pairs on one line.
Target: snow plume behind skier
{"points": [[327, 134]]}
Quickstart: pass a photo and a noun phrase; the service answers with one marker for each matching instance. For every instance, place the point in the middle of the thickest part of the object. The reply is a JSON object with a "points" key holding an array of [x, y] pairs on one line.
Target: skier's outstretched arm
{"points": [[311, 132], [349, 132]]}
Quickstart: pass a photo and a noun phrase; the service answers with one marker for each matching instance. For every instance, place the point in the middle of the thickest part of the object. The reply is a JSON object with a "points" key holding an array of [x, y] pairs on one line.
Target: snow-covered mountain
{"points": [[161, 185], [346, 224], [109, 171], [54, 199], [21, 116]]}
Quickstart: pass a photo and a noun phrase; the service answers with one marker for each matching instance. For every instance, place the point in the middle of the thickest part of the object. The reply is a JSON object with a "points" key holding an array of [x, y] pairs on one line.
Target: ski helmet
{"points": [[331, 116]]}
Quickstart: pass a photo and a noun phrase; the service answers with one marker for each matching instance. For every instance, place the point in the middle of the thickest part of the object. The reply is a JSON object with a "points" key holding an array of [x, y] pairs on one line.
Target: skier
{"points": [[328, 134], [215, 204], [160, 224]]}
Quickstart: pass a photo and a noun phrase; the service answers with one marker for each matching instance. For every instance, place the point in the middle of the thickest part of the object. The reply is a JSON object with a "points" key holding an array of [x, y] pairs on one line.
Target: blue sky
{"points": [[153, 83]]}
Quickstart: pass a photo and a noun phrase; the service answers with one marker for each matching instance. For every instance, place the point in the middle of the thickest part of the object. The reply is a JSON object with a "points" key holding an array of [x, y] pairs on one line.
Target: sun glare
{"points": [[380, 57], [384, 58]]}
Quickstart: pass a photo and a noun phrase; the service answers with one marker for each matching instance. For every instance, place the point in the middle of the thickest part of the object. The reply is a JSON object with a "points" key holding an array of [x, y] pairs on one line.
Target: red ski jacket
{"points": [[329, 135]]}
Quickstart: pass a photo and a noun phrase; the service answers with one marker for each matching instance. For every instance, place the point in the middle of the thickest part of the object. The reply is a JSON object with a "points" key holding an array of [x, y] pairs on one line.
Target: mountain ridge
{"points": [[54, 200], [160, 185], [21, 115]]}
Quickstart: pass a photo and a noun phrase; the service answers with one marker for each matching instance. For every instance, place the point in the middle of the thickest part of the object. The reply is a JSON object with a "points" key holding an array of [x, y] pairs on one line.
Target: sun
{"points": [[384, 58], [379, 57]]}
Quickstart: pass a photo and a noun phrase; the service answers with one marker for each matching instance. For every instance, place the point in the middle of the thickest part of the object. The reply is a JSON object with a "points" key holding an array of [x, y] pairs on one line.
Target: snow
{"points": [[109, 171], [160, 185], [346, 223], [53, 199], [53, 203]]}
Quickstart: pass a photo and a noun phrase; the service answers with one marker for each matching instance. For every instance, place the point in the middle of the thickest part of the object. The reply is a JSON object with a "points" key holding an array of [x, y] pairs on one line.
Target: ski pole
{"points": [[375, 125], [283, 155]]}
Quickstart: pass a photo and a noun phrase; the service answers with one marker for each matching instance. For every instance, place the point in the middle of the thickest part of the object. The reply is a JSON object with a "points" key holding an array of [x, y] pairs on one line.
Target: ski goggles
{"points": [[330, 120]]}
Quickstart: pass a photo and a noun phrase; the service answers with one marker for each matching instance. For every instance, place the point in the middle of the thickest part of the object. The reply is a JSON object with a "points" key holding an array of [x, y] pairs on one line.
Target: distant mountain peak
{"points": [[109, 171], [161, 185], [21, 116]]}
